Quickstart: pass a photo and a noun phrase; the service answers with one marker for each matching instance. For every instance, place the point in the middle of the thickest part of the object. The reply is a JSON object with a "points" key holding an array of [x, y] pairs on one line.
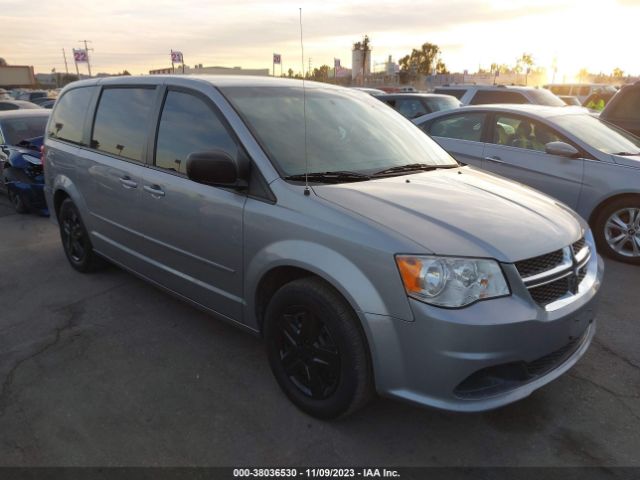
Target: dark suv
{"points": [[623, 109]]}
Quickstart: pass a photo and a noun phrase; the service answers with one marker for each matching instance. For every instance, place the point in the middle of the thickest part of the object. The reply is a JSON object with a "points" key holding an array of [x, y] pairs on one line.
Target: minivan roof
{"points": [[215, 80]]}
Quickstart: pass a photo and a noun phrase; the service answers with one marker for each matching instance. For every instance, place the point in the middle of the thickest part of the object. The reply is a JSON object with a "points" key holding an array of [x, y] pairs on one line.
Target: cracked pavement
{"points": [[106, 370]]}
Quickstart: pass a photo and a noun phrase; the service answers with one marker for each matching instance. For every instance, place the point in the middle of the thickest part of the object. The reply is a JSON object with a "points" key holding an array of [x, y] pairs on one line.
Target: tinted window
{"points": [[483, 97], [627, 105], [520, 132], [436, 104], [467, 126], [541, 96], [67, 121], [446, 91], [410, 107], [189, 125], [121, 121], [8, 106], [22, 128]]}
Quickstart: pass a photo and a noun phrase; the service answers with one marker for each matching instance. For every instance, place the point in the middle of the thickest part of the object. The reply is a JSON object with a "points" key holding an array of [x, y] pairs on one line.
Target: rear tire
{"points": [[75, 239], [617, 230], [317, 350]]}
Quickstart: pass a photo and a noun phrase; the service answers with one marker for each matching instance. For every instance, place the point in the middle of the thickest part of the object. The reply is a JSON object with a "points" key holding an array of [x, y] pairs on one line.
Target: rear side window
{"points": [[465, 126], [189, 125], [122, 118], [67, 121], [446, 91], [484, 97], [561, 89]]}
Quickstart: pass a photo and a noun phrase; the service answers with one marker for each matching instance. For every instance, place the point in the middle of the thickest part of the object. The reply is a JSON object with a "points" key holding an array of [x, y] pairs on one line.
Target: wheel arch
{"points": [[603, 204]]}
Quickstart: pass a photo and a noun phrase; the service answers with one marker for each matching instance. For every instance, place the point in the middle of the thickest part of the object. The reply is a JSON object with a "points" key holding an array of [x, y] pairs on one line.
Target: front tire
{"points": [[317, 350], [75, 239], [617, 230]]}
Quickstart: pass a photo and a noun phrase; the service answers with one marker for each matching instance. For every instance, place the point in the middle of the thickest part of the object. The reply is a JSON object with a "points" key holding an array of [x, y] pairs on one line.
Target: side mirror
{"points": [[561, 149], [218, 169]]}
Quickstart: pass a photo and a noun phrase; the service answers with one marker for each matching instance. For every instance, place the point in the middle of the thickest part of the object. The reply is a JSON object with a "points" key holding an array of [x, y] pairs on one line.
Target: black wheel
{"points": [[617, 230], [75, 239], [317, 350], [18, 202]]}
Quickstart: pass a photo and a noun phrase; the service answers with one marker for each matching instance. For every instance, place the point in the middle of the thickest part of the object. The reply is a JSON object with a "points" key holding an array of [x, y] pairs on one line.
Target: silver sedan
{"points": [[587, 163]]}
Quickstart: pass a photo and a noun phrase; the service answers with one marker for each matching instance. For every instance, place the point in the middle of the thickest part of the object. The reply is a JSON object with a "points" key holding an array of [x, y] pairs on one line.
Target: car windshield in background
{"points": [[598, 134], [437, 104], [545, 97], [346, 131], [17, 129]]}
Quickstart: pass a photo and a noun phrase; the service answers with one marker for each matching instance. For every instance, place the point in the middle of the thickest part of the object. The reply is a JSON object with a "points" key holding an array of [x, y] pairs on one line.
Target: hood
{"points": [[627, 160], [462, 212]]}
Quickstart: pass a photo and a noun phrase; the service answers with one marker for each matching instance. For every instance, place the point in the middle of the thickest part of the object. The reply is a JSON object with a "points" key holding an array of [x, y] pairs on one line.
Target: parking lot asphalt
{"points": [[106, 370]]}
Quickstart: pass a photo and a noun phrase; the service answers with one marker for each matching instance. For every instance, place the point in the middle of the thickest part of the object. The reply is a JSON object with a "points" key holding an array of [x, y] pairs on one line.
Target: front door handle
{"points": [[494, 159], [127, 182], [154, 190]]}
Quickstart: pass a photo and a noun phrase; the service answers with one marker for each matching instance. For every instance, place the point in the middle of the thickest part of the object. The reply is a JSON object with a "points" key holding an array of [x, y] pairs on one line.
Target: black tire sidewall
{"points": [[340, 322], [86, 263], [599, 226]]}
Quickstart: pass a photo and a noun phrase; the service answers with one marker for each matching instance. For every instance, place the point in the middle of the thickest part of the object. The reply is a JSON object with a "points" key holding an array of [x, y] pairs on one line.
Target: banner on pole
{"points": [[277, 59], [80, 55], [176, 57]]}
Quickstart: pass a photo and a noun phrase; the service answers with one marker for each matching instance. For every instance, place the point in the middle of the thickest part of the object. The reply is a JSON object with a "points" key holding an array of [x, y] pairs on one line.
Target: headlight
{"points": [[449, 281]]}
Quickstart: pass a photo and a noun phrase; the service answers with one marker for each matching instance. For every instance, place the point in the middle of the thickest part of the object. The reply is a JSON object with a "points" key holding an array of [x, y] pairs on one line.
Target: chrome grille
{"points": [[542, 263], [555, 275]]}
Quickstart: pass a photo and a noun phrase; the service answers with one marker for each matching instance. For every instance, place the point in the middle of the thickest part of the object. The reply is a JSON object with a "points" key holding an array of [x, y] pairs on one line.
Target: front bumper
{"points": [[32, 195], [484, 356]]}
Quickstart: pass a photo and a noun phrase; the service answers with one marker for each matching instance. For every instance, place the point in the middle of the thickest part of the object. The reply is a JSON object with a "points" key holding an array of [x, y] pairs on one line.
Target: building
{"points": [[12, 76], [200, 70], [360, 58]]}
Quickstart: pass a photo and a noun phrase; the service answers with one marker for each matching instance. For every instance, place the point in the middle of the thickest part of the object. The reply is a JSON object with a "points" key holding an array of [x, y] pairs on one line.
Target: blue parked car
{"points": [[21, 172]]}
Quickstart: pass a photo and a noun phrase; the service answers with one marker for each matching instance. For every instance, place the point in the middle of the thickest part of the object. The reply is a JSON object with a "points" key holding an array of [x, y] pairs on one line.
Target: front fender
{"points": [[336, 269]]}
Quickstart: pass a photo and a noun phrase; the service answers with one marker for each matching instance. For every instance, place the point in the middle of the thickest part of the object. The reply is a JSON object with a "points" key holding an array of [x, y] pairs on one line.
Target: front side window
{"points": [[189, 125], [521, 132], [68, 117], [465, 126], [345, 130], [122, 118]]}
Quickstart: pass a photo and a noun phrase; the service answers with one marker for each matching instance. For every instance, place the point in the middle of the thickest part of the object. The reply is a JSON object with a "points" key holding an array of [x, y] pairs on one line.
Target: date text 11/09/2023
{"points": [[315, 472]]}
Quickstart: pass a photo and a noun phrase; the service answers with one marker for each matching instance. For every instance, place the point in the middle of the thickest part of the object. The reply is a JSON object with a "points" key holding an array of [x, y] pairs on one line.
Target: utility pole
{"points": [[309, 69], [86, 49], [66, 68]]}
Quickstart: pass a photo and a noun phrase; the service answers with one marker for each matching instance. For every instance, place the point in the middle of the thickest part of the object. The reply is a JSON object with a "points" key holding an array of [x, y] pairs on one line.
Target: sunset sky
{"points": [[137, 35]]}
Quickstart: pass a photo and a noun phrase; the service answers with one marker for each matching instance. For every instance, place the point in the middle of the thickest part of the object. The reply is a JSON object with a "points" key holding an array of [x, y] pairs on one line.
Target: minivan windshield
{"points": [[599, 134], [347, 131]]}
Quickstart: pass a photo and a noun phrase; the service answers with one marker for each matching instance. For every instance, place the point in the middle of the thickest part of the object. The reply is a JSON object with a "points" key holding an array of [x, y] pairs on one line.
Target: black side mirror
{"points": [[561, 149], [217, 168]]}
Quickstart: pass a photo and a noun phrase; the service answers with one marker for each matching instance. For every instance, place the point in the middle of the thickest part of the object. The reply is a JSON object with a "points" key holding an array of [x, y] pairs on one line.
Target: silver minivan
{"points": [[321, 219]]}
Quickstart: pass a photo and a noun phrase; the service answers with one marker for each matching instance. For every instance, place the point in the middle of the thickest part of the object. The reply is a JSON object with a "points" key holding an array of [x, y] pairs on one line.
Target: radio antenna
{"points": [[304, 114]]}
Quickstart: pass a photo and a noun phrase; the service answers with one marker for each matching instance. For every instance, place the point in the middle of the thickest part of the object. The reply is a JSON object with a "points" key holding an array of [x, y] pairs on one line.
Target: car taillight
{"points": [[43, 153]]}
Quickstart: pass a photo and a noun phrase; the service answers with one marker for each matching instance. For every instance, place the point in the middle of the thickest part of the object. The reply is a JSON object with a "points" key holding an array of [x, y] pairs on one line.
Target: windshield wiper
{"points": [[411, 167], [626, 154], [330, 177]]}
